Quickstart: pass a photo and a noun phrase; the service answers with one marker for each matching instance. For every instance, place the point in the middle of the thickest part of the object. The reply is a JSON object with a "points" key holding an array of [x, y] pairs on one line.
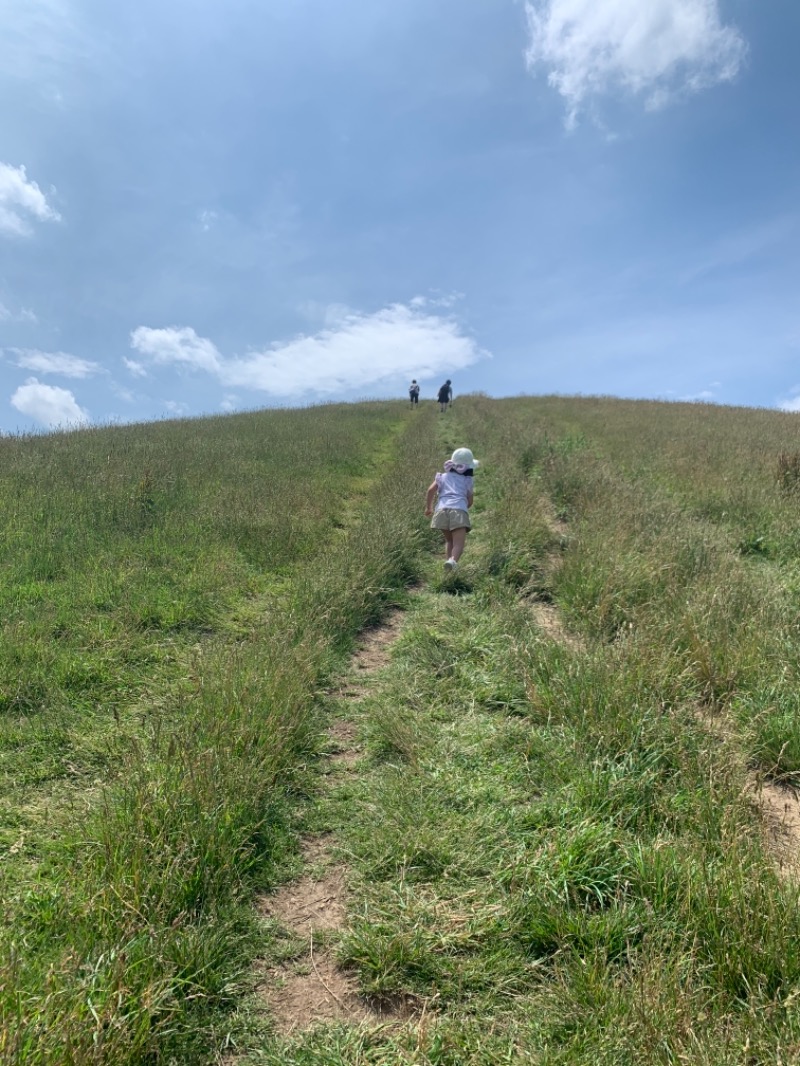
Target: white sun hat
{"points": [[463, 457]]}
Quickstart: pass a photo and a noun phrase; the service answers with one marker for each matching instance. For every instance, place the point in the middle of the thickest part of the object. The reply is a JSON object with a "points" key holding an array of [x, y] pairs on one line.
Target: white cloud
{"points": [[69, 366], [438, 299], [135, 367], [229, 403], [790, 402], [658, 48], [176, 407], [49, 405], [20, 200], [174, 345], [360, 351], [23, 315]]}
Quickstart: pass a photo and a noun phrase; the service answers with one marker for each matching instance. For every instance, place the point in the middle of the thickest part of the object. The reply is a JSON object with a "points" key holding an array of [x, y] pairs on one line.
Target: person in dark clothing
{"points": [[413, 392], [445, 396]]}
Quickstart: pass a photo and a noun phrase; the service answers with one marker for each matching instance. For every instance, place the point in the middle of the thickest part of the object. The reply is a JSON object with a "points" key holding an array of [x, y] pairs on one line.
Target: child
{"points": [[455, 491], [413, 392]]}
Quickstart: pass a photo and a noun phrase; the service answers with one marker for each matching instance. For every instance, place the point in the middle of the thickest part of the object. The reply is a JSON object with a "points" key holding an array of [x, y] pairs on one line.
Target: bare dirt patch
{"points": [[372, 651], [312, 989], [778, 804], [548, 618], [371, 654], [306, 905], [780, 808], [317, 994], [344, 740]]}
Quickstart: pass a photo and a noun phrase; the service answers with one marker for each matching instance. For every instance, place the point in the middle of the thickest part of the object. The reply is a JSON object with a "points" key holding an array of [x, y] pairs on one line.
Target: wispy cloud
{"points": [[656, 48], [39, 37], [134, 367], [438, 299], [742, 246], [20, 201], [49, 405], [359, 352], [24, 314], [68, 366]]}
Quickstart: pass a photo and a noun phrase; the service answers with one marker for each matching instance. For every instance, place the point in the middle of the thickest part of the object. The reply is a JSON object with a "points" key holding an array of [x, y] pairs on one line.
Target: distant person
{"points": [[413, 393], [455, 490], [445, 396]]}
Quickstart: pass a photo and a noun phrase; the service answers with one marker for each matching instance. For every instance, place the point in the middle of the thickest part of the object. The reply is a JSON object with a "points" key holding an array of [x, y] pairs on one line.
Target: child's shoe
{"points": [[451, 564]]}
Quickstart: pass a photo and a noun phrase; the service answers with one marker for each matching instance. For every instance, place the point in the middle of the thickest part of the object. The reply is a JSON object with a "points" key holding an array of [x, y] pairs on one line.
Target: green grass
{"points": [[554, 845], [553, 853], [127, 926]]}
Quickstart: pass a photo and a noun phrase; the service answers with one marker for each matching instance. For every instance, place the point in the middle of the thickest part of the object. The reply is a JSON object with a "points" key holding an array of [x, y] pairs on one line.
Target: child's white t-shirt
{"points": [[453, 490]]}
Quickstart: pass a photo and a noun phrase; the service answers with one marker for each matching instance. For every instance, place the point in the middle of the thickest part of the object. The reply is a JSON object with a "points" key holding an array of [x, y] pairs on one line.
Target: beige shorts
{"points": [[451, 518]]}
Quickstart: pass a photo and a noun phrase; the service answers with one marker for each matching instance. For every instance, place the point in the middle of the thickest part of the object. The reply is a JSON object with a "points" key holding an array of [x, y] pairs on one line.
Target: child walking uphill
{"points": [[454, 487]]}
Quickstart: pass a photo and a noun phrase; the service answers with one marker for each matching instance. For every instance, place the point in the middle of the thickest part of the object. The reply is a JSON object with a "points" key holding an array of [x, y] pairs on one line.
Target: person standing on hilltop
{"points": [[455, 490], [445, 396], [413, 393]]}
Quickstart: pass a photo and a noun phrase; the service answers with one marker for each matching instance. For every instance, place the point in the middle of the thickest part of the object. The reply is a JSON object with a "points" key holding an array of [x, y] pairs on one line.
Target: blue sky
{"points": [[209, 206]]}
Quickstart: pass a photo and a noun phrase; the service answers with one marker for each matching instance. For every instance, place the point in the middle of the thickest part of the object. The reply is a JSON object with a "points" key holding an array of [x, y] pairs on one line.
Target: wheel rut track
{"points": [[312, 989]]}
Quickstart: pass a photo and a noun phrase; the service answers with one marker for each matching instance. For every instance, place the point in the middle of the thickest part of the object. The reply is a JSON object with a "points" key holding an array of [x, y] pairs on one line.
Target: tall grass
{"points": [[131, 938], [126, 551], [558, 848]]}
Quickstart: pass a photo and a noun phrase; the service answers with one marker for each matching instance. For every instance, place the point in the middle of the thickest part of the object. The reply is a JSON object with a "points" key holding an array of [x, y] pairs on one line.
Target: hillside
{"points": [[551, 798]]}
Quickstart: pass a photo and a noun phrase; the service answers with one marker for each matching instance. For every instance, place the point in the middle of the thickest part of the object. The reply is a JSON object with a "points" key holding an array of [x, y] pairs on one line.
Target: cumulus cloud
{"points": [[655, 48], [69, 366], [359, 352], [173, 345], [176, 407], [49, 405], [20, 201]]}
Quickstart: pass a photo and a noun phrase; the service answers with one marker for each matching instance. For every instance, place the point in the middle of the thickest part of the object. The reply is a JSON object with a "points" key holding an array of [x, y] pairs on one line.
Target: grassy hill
{"points": [[558, 850]]}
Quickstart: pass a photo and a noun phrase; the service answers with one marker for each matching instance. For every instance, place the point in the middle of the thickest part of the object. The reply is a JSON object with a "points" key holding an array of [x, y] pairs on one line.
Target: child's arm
{"points": [[432, 490], [470, 498]]}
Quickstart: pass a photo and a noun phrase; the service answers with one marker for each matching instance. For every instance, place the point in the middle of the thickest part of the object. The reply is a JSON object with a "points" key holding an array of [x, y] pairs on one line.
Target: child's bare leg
{"points": [[459, 540], [448, 543]]}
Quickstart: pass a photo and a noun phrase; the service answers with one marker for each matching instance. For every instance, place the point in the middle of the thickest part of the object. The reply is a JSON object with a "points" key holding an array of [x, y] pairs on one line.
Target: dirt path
{"points": [[310, 989], [546, 615]]}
